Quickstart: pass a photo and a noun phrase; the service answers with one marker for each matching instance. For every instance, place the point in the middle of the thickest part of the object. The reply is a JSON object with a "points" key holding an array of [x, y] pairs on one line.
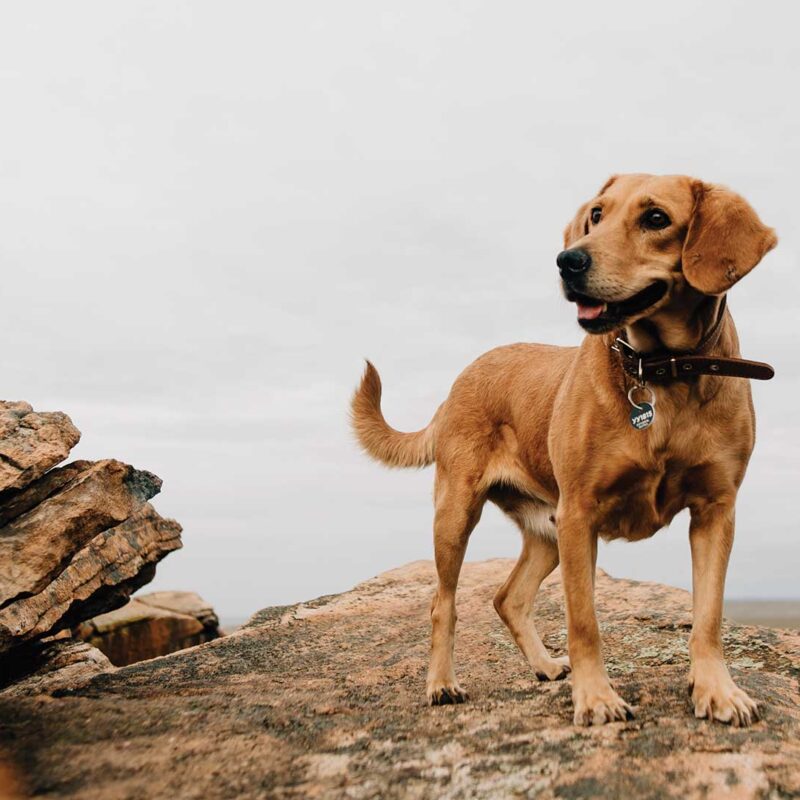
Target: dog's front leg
{"points": [[714, 694], [594, 700]]}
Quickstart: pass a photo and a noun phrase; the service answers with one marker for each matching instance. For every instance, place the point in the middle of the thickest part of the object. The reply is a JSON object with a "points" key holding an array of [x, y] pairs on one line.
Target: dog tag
{"points": [[642, 416], [643, 413]]}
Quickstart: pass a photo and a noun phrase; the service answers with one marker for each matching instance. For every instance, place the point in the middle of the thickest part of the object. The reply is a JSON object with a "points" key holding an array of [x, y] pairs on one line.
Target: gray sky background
{"points": [[210, 212]]}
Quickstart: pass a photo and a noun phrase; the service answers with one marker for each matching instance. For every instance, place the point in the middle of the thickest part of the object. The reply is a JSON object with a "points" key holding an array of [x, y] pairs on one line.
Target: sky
{"points": [[210, 213]]}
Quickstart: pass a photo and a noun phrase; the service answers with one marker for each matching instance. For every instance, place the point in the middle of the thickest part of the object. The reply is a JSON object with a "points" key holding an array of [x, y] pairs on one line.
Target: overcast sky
{"points": [[210, 212]]}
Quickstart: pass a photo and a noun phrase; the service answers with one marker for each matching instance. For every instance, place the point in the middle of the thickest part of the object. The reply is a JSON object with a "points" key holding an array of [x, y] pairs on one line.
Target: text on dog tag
{"points": [[642, 416]]}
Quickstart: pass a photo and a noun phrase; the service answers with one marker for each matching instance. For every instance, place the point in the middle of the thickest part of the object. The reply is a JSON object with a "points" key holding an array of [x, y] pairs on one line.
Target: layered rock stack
{"points": [[75, 540]]}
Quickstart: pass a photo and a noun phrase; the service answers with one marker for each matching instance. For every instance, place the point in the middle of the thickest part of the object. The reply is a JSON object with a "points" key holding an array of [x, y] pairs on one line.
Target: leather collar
{"points": [[665, 366]]}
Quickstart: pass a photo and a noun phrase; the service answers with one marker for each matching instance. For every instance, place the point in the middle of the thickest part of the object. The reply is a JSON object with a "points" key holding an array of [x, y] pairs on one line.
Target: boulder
{"points": [[326, 699], [151, 625], [31, 442], [75, 540], [100, 576], [184, 603], [36, 545]]}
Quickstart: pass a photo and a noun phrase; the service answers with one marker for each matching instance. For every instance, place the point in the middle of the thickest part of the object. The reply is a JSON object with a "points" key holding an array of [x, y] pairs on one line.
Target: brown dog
{"points": [[547, 432]]}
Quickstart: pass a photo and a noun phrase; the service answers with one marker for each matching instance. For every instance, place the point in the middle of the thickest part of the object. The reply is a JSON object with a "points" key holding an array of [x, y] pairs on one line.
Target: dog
{"points": [[610, 439]]}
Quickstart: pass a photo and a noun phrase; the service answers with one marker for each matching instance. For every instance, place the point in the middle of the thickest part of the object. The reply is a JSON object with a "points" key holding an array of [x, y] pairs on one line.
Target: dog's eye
{"points": [[655, 219], [595, 215]]}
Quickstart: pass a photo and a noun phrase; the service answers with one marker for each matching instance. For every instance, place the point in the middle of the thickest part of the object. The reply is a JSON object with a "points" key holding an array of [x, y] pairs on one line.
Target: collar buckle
{"points": [[629, 347], [631, 354]]}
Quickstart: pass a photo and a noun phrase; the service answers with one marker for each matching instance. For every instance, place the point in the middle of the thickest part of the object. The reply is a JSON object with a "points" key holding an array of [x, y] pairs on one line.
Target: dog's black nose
{"points": [[573, 261]]}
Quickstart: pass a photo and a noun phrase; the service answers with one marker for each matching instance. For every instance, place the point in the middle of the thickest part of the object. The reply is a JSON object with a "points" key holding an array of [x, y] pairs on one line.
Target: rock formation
{"points": [[31, 443], [75, 541], [325, 699], [151, 625]]}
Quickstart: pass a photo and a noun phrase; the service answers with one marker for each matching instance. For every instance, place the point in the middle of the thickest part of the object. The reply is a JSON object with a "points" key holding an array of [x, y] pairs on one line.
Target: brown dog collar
{"points": [[665, 365]]}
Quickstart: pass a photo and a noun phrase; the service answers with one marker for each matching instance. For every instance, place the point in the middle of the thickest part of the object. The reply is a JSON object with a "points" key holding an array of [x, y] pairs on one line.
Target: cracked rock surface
{"points": [[326, 699]]}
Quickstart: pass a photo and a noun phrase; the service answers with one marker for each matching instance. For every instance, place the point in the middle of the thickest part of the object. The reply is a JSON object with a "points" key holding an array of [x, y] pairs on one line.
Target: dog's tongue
{"points": [[590, 312]]}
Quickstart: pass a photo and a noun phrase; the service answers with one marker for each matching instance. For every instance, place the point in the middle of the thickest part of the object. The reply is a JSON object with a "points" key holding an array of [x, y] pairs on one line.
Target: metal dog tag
{"points": [[643, 413], [642, 416]]}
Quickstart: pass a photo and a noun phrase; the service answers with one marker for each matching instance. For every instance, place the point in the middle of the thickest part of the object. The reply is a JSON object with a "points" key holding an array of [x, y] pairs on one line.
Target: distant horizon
{"points": [[728, 598], [740, 610]]}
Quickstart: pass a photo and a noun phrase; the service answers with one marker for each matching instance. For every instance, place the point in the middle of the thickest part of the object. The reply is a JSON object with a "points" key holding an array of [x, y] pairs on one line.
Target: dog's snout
{"points": [[573, 261]]}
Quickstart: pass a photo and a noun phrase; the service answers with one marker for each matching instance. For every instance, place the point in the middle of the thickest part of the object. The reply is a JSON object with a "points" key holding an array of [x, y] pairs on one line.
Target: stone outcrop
{"points": [[151, 625], [31, 443], [100, 576], [325, 699], [35, 546], [75, 541]]}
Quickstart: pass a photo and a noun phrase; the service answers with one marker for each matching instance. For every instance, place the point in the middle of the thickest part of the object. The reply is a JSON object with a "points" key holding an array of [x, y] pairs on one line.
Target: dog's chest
{"points": [[644, 495], [692, 453], [641, 501]]}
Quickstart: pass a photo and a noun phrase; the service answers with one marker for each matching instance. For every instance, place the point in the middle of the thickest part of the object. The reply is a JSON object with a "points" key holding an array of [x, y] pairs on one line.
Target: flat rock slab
{"points": [[326, 699]]}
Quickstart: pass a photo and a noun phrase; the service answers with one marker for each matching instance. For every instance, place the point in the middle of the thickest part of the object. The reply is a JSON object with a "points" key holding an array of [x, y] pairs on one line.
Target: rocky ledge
{"points": [[326, 699], [75, 541]]}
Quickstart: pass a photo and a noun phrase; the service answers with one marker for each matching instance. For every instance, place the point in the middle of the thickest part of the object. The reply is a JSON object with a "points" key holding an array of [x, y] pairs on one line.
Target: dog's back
{"points": [[515, 384]]}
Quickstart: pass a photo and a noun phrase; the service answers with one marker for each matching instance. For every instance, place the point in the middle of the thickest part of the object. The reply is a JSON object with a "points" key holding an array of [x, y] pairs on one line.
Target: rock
{"points": [[35, 546], [52, 665], [15, 502], [326, 699], [31, 443], [103, 573], [75, 541], [151, 625], [184, 603]]}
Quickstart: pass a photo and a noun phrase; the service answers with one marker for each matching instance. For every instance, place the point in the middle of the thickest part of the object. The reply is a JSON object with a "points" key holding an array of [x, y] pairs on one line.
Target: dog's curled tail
{"points": [[378, 438]]}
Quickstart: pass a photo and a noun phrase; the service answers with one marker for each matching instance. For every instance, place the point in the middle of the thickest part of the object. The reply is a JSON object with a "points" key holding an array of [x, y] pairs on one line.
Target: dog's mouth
{"points": [[598, 316]]}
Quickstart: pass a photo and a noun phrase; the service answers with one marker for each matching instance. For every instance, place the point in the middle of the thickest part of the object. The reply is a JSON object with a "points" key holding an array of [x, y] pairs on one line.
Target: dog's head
{"points": [[644, 240]]}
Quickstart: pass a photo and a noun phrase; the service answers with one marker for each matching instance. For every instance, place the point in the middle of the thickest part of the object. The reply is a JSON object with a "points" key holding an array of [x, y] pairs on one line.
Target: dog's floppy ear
{"points": [[725, 239], [579, 226]]}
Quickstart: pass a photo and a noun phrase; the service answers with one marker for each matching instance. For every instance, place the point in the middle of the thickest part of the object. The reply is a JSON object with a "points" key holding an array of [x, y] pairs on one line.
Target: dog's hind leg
{"points": [[458, 509], [515, 598]]}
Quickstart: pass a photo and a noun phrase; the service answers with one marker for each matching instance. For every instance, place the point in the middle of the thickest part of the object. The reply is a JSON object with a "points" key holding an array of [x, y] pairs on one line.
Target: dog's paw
{"points": [[554, 669], [598, 704], [446, 695], [716, 696]]}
